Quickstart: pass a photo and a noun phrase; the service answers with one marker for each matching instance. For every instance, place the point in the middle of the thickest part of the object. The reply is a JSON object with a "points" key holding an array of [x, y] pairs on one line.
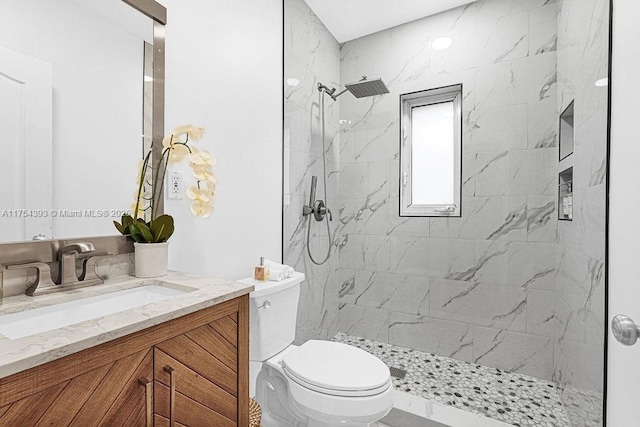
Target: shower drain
{"points": [[398, 373]]}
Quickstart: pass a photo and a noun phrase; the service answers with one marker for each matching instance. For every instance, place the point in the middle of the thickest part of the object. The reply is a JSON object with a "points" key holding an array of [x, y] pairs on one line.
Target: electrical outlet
{"points": [[175, 186]]}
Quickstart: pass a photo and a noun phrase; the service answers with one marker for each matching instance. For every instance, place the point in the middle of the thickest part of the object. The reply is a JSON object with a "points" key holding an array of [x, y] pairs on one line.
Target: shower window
{"points": [[430, 152]]}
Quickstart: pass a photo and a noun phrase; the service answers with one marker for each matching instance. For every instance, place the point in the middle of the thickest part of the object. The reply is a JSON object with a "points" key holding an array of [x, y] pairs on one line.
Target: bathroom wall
{"points": [[583, 37], [479, 288], [223, 62], [312, 55]]}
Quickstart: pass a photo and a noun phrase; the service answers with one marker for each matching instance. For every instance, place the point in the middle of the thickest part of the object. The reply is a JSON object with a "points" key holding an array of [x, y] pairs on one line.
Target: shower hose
{"points": [[324, 185]]}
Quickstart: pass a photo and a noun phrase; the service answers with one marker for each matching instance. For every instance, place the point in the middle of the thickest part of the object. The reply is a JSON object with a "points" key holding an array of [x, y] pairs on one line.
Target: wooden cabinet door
{"points": [[110, 395], [196, 376]]}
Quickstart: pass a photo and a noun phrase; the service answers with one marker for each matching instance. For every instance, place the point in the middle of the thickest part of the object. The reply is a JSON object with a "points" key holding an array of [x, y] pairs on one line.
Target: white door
{"points": [[26, 147], [623, 399]]}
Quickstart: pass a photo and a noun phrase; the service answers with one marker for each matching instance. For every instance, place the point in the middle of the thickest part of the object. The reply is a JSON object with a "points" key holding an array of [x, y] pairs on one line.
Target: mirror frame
{"points": [[46, 251]]}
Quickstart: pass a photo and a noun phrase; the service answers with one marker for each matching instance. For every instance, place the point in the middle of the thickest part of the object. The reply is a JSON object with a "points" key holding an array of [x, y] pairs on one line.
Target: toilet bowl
{"points": [[317, 384]]}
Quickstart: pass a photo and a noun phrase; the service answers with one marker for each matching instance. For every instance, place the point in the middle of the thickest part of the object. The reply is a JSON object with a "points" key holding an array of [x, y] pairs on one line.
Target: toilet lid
{"points": [[335, 366]]}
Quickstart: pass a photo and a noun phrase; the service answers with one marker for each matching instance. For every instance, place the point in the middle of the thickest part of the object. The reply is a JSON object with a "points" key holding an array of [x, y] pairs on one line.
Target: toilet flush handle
{"points": [[265, 305]]}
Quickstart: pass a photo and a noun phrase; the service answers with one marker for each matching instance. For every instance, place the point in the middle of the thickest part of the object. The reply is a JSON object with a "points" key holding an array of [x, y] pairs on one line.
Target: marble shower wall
{"points": [[312, 55], [480, 288], [583, 54]]}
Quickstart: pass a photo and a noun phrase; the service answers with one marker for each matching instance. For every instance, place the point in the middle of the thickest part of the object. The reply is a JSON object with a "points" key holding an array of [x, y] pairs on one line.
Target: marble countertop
{"points": [[23, 353]]}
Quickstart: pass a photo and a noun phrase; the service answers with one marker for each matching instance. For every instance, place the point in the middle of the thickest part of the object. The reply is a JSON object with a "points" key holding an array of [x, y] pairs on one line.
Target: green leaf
{"points": [[123, 227], [141, 233], [136, 235], [162, 228]]}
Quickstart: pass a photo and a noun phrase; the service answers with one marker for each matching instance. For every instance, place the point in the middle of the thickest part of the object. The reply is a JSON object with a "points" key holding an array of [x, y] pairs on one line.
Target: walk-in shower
{"points": [[317, 207], [499, 311]]}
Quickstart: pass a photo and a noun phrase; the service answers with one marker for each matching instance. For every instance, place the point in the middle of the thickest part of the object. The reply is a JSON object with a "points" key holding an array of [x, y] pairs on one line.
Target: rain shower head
{"points": [[365, 88], [360, 89]]}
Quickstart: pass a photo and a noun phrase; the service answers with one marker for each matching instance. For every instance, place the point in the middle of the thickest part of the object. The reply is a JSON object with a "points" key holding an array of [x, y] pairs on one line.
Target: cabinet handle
{"points": [[172, 395], [148, 393]]}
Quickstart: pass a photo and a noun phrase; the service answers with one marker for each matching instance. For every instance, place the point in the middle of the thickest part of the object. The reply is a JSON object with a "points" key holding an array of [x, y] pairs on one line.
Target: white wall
{"points": [[624, 286], [224, 72]]}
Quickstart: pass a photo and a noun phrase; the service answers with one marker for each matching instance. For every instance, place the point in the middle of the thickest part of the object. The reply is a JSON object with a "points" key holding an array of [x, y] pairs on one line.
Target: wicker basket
{"points": [[255, 414]]}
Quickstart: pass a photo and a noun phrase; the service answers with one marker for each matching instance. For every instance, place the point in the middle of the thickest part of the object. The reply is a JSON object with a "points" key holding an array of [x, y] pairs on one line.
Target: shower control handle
{"points": [[316, 207], [320, 210]]}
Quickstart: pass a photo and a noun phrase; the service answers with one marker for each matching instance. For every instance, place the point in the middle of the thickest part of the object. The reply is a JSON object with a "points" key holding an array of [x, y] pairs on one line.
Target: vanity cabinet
{"points": [[189, 371]]}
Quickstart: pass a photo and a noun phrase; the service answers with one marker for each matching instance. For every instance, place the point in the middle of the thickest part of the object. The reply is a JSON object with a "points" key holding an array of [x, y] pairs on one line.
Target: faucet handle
{"points": [[80, 248], [43, 278], [89, 268]]}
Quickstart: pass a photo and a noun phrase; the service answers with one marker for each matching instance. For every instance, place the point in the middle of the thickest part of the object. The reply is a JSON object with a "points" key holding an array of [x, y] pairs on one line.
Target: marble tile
{"points": [[430, 257], [581, 316], [542, 129], [451, 339], [523, 80], [505, 38], [543, 29], [496, 306], [393, 292], [365, 252], [541, 319], [542, 223], [347, 286], [498, 129], [496, 218], [513, 352], [318, 306], [488, 10], [582, 365], [520, 264], [516, 172], [354, 181], [365, 322]]}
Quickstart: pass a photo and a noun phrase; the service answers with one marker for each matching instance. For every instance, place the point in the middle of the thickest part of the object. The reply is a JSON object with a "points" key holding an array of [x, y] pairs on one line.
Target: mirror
{"points": [[517, 282], [72, 81]]}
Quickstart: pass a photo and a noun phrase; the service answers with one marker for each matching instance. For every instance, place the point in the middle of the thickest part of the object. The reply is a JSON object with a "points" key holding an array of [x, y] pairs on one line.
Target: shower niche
{"points": [[566, 132], [565, 195]]}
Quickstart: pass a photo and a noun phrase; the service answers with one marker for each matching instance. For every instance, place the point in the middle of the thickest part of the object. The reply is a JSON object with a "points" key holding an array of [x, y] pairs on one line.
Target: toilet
{"points": [[317, 384]]}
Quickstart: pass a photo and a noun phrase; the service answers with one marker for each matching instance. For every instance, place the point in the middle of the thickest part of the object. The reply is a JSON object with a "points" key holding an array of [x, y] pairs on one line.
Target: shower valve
{"points": [[319, 210]]}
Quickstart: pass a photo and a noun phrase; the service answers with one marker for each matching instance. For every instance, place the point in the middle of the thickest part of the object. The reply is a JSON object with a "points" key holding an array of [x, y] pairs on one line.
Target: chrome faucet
{"points": [[55, 266], [67, 255]]}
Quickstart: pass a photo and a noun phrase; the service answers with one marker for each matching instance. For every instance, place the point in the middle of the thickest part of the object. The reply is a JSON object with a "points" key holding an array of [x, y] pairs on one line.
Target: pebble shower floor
{"points": [[513, 398]]}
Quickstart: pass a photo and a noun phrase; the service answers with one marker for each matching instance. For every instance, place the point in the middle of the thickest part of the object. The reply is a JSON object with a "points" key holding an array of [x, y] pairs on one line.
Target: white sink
{"points": [[43, 319]]}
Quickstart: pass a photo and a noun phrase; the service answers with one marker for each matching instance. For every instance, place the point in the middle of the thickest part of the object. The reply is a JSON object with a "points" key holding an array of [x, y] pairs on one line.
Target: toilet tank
{"points": [[273, 307]]}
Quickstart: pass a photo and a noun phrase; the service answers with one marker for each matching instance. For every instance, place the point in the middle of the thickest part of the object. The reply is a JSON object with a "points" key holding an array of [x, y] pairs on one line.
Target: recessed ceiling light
{"points": [[602, 82], [441, 43], [292, 81]]}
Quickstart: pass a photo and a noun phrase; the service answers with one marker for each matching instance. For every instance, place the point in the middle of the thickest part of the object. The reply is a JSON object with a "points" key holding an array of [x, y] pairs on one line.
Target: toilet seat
{"points": [[336, 369]]}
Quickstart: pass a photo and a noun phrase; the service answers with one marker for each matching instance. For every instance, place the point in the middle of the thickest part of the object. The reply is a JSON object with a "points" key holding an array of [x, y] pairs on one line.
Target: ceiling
{"points": [[350, 19]]}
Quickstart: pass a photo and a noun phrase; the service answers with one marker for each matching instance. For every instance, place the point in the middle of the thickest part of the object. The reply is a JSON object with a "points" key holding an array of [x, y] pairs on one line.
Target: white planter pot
{"points": [[151, 259]]}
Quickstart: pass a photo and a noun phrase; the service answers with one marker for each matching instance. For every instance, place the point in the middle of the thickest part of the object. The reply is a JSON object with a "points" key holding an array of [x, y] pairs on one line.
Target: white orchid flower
{"points": [[202, 157], [177, 150], [200, 194], [201, 209], [202, 172], [191, 131]]}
